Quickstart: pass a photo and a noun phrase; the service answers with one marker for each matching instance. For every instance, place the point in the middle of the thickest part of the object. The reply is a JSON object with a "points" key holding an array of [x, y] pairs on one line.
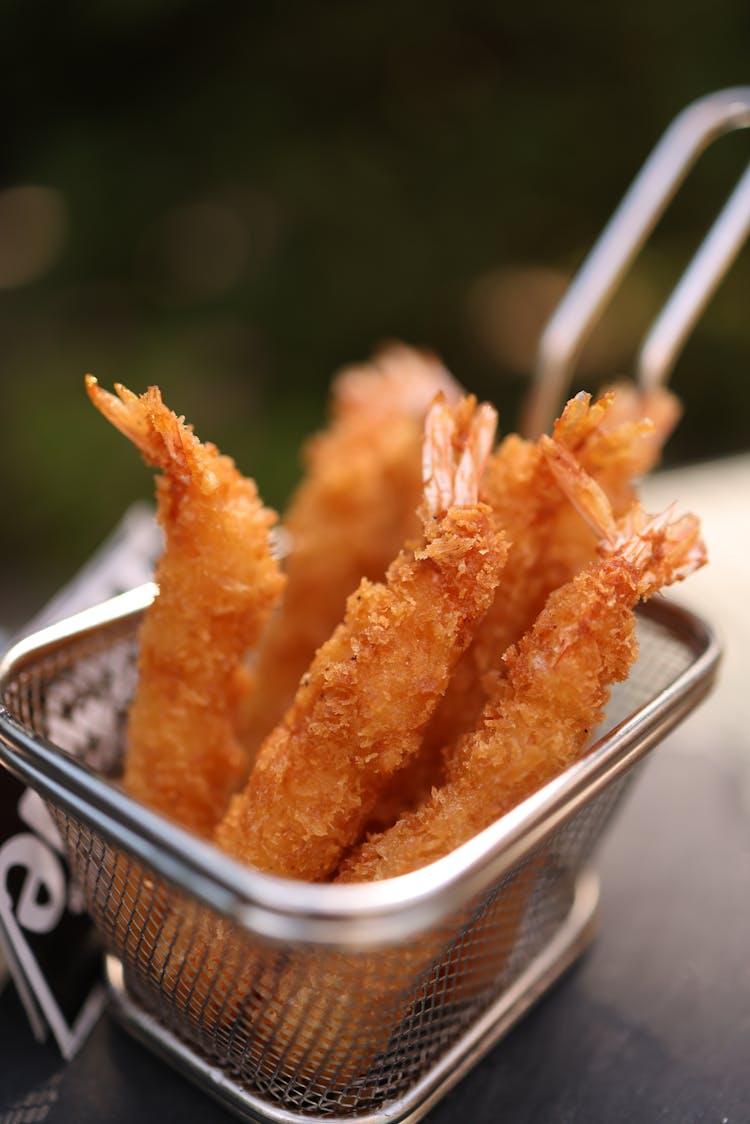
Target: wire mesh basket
{"points": [[292, 1001]]}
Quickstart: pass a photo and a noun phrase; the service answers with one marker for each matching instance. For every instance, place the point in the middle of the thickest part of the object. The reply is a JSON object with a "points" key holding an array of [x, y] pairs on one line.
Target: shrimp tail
{"points": [[588, 498], [457, 444], [581, 418], [660, 549], [164, 440]]}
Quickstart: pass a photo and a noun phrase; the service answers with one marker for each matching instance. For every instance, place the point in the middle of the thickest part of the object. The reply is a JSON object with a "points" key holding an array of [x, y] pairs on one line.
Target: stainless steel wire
{"points": [[622, 238], [294, 1002]]}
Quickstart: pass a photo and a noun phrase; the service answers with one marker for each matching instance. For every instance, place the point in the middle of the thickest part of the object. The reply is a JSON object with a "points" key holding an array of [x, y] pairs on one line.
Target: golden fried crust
{"points": [[218, 584], [614, 442], [556, 683], [348, 519], [361, 709]]}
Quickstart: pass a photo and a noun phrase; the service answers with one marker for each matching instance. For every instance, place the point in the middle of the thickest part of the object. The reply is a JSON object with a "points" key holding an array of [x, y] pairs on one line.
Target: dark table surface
{"points": [[652, 1024]]}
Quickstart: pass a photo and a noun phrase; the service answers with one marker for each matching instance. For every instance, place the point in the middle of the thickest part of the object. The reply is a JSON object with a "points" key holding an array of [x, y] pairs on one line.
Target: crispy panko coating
{"points": [[361, 709], [218, 584], [550, 544], [348, 519], [555, 686]]}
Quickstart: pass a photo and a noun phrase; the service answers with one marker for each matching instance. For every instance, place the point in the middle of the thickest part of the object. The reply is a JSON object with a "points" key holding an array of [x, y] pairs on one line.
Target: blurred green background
{"points": [[234, 201]]}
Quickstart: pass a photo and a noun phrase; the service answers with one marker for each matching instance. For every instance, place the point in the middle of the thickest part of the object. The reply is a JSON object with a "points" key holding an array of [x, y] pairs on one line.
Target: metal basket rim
{"points": [[351, 916]]}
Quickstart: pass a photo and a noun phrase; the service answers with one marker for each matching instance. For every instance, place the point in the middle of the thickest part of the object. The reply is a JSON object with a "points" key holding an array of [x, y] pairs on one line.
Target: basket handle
{"points": [[690, 133]]}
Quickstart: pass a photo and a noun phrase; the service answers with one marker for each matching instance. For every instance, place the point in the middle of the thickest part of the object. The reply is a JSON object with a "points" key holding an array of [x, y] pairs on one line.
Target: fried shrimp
{"points": [[361, 709], [615, 446], [556, 681], [348, 519], [624, 438], [550, 544], [218, 583]]}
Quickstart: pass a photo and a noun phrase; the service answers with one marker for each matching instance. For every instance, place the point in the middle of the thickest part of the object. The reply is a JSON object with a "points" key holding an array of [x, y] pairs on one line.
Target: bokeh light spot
{"points": [[508, 309], [203, 249], [33, 227]]}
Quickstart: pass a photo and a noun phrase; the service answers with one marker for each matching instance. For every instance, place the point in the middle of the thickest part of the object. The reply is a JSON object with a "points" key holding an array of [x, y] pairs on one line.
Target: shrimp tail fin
{"points": [[588, 498], [164, 440], [580, 418], [659, 549], [662, 549], [457, 444]]}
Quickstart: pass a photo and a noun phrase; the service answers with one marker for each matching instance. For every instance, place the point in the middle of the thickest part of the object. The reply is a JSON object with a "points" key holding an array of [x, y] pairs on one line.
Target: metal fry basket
{"points": [[293, 1002]]}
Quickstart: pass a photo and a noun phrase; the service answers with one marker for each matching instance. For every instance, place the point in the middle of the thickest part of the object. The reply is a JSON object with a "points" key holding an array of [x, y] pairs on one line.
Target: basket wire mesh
{"points": [[358, 1021]]}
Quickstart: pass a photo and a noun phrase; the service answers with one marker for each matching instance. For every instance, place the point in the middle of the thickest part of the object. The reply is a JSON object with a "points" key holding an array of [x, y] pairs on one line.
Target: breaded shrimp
{"points": [[555, 686], [361, 709], [550, 544], [622, 440], [348, 519], [218, 584], [614, 445]]}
